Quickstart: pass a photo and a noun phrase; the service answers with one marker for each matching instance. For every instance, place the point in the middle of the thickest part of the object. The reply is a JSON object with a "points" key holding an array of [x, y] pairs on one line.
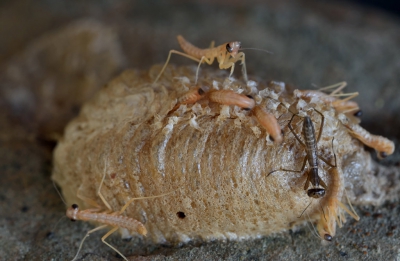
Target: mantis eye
{"points": [[358, 113], [229, 48], [316, 192], [328, 237], [74, 206], [382, 154]]}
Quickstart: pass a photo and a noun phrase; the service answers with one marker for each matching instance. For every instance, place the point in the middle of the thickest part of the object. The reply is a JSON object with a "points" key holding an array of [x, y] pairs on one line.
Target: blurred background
{"points": [[389, 6], [54, 55]]}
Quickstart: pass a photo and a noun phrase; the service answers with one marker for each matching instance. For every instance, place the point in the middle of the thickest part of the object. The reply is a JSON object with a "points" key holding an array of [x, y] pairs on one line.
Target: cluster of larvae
{"points": [[222, 159], [215, 157]]}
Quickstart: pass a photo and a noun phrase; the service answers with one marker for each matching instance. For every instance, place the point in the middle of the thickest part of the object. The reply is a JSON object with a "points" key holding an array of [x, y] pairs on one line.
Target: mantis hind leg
{"points": [[99, 192], [321, 128], [103, 239], [87, 234], [294, 133], [326, 161], [319, 137], [337, 87], [289, 170], [169, 57]]}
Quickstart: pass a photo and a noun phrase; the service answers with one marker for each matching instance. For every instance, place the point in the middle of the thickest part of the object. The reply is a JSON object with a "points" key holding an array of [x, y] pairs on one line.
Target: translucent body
{"points": [[334, 209], [269, 122], [112, 219], [216, 158], [229, 97], [226, 54]]}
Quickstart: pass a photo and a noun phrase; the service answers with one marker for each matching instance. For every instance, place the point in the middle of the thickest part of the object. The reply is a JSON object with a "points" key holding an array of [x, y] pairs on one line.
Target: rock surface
{"points": [[313, 42]]}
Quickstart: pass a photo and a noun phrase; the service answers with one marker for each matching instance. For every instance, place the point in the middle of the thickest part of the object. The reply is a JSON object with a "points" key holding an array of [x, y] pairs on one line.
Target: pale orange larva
{"points": [[215, 158]]}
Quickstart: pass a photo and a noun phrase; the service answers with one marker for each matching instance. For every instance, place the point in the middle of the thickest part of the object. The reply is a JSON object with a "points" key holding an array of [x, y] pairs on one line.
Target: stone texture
{"points": [[313, 42]]}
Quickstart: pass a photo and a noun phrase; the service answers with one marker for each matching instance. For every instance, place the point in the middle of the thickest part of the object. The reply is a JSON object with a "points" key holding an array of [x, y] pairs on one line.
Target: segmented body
{"points": [[191, 97], [114, 219], [229, 97], [333, 209], [269, 122], [226, 54], [311, 146], [326, 225], [196, 52], [246, 102], [384, 146]]}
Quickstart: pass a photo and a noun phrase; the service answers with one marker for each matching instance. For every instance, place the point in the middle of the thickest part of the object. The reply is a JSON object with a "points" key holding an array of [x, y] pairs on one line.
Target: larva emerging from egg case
{"points": [[215, 157]]}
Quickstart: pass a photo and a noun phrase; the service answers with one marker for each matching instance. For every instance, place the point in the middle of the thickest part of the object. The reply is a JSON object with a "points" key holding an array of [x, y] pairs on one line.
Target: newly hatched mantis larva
{"points": [[108, 218], [222, 168], [246, 102], [341, 105], [310, 145], [383, 146], [227, 55], [269, 122], [229, 97], [333, 213]]}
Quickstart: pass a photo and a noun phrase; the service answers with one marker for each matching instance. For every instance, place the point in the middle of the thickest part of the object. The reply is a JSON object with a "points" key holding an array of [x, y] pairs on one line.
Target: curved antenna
{"points": [[305, 209], [65, 203], [257, 49], [314, 231], [58, 192], [54, 227]]}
